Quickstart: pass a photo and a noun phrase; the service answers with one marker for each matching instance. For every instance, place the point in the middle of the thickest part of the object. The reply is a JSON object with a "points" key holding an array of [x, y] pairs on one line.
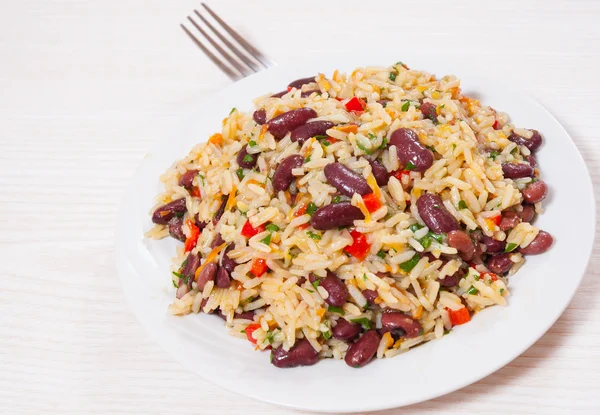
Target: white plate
{"points": [[539, 292]]}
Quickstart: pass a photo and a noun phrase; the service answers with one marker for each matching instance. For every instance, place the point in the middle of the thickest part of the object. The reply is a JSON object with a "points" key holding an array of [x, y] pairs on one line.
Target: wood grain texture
{"points": [[88, 86]]}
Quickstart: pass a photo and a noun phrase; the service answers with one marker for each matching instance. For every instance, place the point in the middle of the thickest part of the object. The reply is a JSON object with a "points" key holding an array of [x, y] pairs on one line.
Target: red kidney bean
{"points": [[370, 295], [299, 83], [527, 213], [165, 213], [310, 129], [410, 149], [300, 281], [380, 172], [246, 315], [362, 351], [394, 320], [429, 110], [260, 116], [226, 262], [542, 242], [192, 263], [344, 330], [187, 179], [208, 273], [288, 121], [532, 143], [279, 94], [383, 102], [499, 263], [509, 220], [535, 192], [435, 215], [517, 170], [245, 160], [175, 230], [531, 160], [492, 245], [283, 176], [452, 280], [301, 354], [346, 181], [463, 244], [222, 278], [305, 94], [218, 240], [201, 225], [220, 211], [335, 287], [335, 215]]}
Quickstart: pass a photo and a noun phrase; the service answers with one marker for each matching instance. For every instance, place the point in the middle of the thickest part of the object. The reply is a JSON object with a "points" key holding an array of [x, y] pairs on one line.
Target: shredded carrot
{"points": [[216, 139], [418, 312], [389, 340], [321, 312], [263, 131], [373, 184], [397, 344], [209, 258], [231, 199], [348, 128]]}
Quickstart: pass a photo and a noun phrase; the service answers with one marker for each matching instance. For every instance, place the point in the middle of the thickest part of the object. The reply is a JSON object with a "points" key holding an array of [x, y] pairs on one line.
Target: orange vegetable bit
{"points": [[216, 139], [360, 248], [348, 128], [190, 242], [299, 212], [460, 316], [259, 267], [195, 191], [251, 328], [372, 202]]}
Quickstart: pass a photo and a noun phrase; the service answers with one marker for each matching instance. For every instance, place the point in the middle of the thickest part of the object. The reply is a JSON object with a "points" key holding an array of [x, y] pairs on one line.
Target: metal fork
{"points": [[250, 61]]}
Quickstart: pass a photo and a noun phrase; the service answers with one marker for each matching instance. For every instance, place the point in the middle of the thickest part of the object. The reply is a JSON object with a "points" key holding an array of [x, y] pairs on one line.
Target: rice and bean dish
{"points": [[352, 217]]}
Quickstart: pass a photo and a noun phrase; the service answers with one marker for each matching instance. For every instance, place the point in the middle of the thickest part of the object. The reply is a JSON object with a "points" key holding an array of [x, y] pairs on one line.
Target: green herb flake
{"points": [[240, 173], [309, 290], [472, 291], [314, 236], [201, 178], [421, 331], [271, 337], [493, 155], [316, 283], [381, 254], [462, 204], [365, 322], [252, 143], [336, 199], [232, 111], [178, 275], [453, 146], [384, 143], [337, 310], [437, 236], [514, 151], [410, 264], [365, 276], [501, 291], [409, 166], [266, 240], [425, 241], [247, 158], [511, 247], [307, 159], [372, 136], [447, 332], [405, 106], [432, 148], [477, 277], [363, 148], [180, 214], [311, 208], [326, 143], [174, 285], [271, 227], [327, 335], [271, 357], [393, 76], [415, 227], [321, 137]]}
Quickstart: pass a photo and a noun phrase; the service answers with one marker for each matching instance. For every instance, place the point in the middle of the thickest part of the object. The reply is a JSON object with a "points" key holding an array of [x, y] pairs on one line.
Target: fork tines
{"points": [[236, 63]]}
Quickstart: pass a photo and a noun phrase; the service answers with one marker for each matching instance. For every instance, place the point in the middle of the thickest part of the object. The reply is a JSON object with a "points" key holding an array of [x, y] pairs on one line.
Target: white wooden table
{"points": [[86, 87]]}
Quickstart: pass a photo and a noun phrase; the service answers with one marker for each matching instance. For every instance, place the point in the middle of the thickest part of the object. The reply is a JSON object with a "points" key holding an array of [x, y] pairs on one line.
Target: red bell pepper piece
{"points": [[301, 211], [194, 191], [249, 231], [372, 202], [460, 316], [360, 247], [259, 267], [190, 242], [496, 125], [398, 174], [251, 328], [496, 219], [356, 105]]}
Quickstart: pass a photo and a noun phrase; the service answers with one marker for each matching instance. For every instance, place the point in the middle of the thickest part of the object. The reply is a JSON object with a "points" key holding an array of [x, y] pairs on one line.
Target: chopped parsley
{"points": [[472, 291], [321, 137], [381, 254], [311, 208], [180, 214], [327, 335], [453, 146], [410, 264], [333, 309], [363, 148], [365, 322], [437, 236], [314, 236], [501, 291], [271, 336], [462, 204], [493, 155], [177, 274], [409, 166], [306, 160], [316, 283], [415, 227], [266, 240], [271, 227], [405, 106], [372, 136], [510, 247], [201, 178], [432, 148], [393, 76], [425, 241], [421, 331], [240, 173], [174, 285], [337, 199], [326, 143], [252, 143], [232, 111], [247, 158], [383, 143]]}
